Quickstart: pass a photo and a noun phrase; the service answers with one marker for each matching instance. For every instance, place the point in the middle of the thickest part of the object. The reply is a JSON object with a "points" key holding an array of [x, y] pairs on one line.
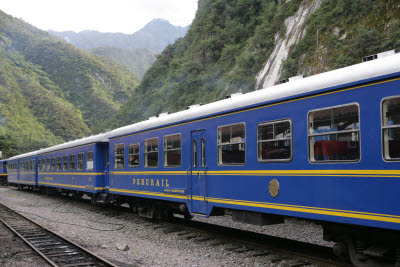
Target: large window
{"points": [[232, 144], [48, 165], [72, 162], [39, 165], [334, 134], [391, 128], [59, 163], [43, 164], [151, 153], [119, 156], [134, 156], [53, 164], [80, 162], [274, 141], [65, 162], [89, 161], [172, 150]]}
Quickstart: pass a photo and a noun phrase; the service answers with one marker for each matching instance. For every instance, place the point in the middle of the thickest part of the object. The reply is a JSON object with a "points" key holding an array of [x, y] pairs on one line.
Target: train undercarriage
{"points": [[362, 246]]}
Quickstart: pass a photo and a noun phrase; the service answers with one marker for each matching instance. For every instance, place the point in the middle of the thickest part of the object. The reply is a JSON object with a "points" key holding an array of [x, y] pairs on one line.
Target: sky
{"points": [[126, 16]]}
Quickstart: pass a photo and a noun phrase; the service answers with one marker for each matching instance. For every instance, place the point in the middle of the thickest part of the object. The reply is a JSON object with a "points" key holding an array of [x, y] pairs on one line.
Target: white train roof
{"points": [[26, 155], [370, 69], [100, 138]]}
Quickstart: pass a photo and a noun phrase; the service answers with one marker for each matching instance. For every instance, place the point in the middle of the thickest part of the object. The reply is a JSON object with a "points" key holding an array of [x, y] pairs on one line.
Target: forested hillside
{"points": [[50, 91], [231, 42], [138, 60]]}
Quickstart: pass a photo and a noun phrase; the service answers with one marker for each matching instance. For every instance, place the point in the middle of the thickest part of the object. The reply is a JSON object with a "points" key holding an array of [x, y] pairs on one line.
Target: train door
{"points": [[18, 170], [198, 172]]}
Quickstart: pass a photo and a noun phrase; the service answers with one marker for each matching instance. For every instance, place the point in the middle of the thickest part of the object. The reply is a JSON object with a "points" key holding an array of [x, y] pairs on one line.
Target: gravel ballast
{"points": [[134, 241]]}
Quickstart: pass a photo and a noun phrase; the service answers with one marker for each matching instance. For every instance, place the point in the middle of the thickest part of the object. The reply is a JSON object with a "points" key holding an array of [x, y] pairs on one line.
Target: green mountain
{"points": [[155, 35], [50, 91], [241, 45], [138, 61]]}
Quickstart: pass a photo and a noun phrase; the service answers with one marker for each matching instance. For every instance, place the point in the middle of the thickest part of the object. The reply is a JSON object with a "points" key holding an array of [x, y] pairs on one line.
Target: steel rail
{"points": [[69, 249]]}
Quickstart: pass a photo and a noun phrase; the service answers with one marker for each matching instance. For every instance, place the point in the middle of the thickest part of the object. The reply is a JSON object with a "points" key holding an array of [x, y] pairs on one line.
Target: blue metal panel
{"points": [[3, 166], [364, 192]]}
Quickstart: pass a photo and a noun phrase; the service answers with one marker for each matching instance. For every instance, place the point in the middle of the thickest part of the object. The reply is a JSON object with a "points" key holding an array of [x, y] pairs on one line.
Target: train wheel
{"points": [[362, 254], [187, 216]]}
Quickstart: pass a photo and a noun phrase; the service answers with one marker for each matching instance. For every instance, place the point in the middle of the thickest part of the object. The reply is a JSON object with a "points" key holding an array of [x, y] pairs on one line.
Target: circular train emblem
{"points": [[273, 188]]}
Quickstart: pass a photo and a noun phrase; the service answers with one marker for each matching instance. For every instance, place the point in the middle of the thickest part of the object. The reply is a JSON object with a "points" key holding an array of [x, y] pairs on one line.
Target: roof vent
{"points": [[291, 79], [193, 106], [153, 117], [380, 55], [163, 114], [233, 95]]}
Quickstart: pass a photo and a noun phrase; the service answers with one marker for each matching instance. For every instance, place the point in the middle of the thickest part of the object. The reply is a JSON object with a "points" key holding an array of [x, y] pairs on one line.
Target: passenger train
{"points": [[324, 148]]}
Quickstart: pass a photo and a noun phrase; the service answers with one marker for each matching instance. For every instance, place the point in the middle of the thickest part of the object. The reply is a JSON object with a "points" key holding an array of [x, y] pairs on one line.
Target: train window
{"points": [[232, 144], [59, 163], [89, 161], [194, 153], [334, 134], [32, 165], [203, 152], [391, 128], [274, 141], [172, 150], [80, 162], [48, 164], [53, 164], [23, 166], [43, 165], [134, 156], [119, 156], [65, 162], [151, 153], [72, 162], [39, 164]]}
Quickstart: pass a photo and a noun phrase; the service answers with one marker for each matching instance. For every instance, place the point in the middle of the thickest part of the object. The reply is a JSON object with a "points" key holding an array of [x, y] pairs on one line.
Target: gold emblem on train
{"points": [[273, 188]]}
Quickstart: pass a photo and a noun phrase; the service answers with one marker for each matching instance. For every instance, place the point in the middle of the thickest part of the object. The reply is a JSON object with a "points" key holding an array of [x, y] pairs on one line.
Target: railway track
{"points": [[257, 244], [56, 250], [246, 243]]}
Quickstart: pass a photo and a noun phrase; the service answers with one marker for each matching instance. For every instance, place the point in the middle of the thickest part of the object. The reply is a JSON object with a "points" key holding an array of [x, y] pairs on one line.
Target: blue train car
{"points": [[325, 148], [22, 170], [3, 171], [75, 167]]}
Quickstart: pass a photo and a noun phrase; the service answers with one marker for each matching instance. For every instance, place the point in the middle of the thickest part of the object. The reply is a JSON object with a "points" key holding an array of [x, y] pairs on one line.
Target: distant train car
{"points": [[22, 170], [325, 148], [75, 167], [3, 172]]}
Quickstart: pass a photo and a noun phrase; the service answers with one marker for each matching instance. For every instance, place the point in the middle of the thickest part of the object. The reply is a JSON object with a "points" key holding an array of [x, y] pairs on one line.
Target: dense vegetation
{"points": [[50, 91], [348, 31], [138, 61], [230, 40]]}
